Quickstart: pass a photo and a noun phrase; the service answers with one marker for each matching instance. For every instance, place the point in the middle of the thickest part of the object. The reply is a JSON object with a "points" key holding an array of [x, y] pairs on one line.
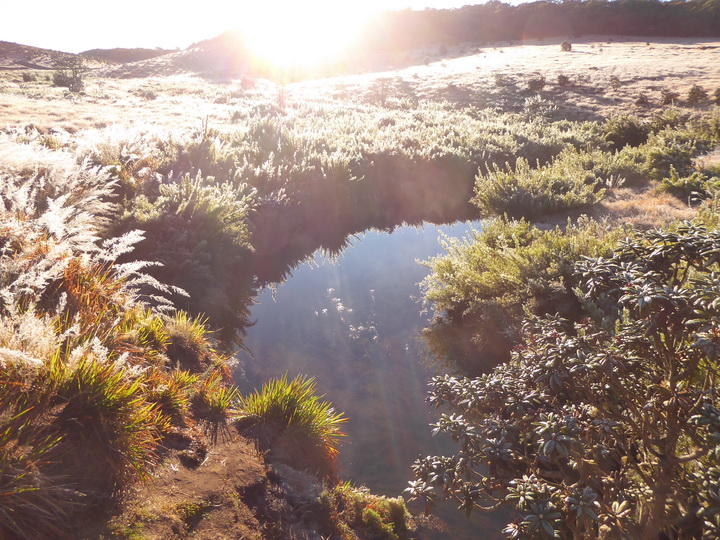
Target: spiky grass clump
{"points": [[189, 346], [87, 392], [110, 430], [33, 503], [306, 429], [214, 403]]}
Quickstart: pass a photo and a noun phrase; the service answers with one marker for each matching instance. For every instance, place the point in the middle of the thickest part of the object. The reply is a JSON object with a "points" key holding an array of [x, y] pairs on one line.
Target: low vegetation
{"points": [[129, 260], [483, 286], [92, 380], [289, 417], [606, 427], [354, 512]]}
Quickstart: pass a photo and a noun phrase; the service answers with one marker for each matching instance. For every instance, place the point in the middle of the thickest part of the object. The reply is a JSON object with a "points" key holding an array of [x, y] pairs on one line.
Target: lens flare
{"points": [[295, 34]]}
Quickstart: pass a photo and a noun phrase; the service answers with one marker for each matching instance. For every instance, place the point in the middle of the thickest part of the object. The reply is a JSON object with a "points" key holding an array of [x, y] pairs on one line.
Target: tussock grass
{"points": [[307, 430], [87, 391]]}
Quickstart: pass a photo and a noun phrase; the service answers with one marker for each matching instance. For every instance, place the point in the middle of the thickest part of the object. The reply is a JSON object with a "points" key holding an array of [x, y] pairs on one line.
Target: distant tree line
{"points": [[495, 21]]}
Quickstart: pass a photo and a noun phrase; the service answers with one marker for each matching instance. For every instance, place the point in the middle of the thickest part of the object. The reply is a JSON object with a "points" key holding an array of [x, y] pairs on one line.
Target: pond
{"points": [[354, 325]]}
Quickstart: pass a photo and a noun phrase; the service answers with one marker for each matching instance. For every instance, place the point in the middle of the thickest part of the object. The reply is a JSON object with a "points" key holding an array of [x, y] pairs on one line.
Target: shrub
{"points": [[531, 193], [642, 100], [565, 46], [563, 80], [697, 94], [663, 153], [481, 287], [716, 96], [536, 83], [70, 74], [696, 186], [627, 166], [351, 509], [306, 430], [29, 76], [615, 83], [668, 97], [536, 106], [624, 130], [606, 423], [502, 80], [200, 226]]}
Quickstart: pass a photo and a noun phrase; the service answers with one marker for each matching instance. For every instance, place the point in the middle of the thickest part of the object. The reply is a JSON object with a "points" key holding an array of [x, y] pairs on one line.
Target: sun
{"points": [[300, 35]]}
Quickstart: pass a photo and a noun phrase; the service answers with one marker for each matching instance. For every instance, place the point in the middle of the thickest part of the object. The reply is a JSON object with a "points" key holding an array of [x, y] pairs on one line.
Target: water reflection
{"points": [[353, 324]]}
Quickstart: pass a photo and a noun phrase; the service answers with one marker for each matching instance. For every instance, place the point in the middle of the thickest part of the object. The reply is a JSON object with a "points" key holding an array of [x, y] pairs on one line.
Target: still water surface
{"points": [[354, 325]]}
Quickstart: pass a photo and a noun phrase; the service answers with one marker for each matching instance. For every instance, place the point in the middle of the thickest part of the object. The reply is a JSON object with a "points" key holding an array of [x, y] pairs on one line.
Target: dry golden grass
{"points": [[646, 209], [187, 101], [639, 65]]}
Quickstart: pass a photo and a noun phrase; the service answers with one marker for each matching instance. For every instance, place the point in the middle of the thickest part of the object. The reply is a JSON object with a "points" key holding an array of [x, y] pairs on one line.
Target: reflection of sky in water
{"points": [[353, 325]]}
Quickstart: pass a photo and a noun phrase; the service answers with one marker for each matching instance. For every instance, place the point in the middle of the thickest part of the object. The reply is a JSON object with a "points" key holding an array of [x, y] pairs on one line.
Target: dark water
{"points": [[353, 325]]}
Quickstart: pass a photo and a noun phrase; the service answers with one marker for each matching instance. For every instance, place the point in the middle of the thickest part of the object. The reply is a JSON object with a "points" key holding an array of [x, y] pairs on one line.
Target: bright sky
{"points": [[79, 25]]}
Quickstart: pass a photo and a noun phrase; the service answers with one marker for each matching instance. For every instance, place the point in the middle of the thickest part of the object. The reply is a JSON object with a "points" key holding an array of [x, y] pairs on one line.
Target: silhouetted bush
{"points": [[697, 94], [70, 75], [620, 131], [642, 100], [536, 83], [668, 97]]}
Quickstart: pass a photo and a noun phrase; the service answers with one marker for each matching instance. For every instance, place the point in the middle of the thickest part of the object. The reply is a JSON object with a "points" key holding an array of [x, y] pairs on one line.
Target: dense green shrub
{"points": [[605, 427], [665, 152], [482, 286], [198, 229], [695, 187], [621, 131], [522, 191]]}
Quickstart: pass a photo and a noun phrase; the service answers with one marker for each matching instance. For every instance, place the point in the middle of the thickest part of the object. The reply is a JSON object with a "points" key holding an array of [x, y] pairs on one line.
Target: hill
{"points": [[16, 56], [125, 56], [224, 55]]}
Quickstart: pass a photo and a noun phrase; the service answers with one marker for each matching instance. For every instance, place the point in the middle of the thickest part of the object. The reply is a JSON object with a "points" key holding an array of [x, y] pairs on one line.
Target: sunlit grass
{"points": [[307, 427]]}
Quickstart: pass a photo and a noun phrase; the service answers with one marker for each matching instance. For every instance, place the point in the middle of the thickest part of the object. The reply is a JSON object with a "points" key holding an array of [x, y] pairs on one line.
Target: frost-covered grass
{"points": [[86, 358]]}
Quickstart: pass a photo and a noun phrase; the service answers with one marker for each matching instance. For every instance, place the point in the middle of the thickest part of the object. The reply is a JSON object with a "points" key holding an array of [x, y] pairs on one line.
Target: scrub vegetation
{"points": [[604, 427], [130, 258]]}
